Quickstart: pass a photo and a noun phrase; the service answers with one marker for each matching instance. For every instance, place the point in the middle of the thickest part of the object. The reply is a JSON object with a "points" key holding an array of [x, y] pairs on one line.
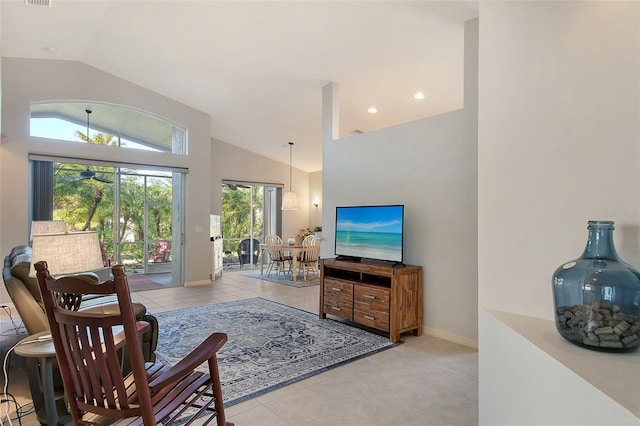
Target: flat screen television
{"points": [[370, 232]]}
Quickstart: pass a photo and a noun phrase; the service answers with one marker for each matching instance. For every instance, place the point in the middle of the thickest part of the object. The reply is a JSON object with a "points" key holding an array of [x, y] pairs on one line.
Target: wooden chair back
{"points": [[309, 255], [276, 254], [274, 243], [273, 240], [89, 360], [311, 251]]}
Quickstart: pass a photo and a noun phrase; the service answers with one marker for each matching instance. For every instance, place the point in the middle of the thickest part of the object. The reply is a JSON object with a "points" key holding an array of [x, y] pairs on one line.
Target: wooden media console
{"points": [[373, 294]]}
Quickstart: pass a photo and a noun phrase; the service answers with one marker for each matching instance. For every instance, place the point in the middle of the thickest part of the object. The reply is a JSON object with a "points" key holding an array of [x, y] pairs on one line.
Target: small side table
{"points": [[39, 359]]}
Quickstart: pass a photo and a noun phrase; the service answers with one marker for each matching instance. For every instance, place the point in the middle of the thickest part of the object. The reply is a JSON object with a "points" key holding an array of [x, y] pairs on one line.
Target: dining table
{"points": [[294, 250]]}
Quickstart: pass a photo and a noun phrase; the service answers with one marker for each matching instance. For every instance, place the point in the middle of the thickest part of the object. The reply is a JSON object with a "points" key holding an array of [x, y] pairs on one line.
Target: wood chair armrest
{"points": [[203, 352], [119, 338]]}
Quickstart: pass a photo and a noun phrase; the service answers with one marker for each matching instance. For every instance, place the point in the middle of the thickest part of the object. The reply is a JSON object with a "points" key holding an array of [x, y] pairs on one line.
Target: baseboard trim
{"points": [[445, 335]]}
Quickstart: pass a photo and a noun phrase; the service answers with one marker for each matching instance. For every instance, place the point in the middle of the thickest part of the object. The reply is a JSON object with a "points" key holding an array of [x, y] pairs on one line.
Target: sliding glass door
{"points": [[248, 215], [134, 210]]}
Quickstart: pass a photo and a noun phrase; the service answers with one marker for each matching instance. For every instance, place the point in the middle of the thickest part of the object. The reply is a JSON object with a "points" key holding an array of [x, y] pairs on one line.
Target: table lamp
{"points": [[67, 253], [39, 227]]}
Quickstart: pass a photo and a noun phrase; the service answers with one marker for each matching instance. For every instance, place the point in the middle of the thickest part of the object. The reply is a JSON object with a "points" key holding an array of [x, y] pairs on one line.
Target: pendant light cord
{"points": [[290, 164], [88, 111]]}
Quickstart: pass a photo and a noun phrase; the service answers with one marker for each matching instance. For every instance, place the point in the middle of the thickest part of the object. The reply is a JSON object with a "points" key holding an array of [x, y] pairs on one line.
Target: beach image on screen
{"points": [[370, 232]]}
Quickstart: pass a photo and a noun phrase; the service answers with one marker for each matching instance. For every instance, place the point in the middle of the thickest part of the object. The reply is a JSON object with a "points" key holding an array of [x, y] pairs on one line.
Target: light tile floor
{"points": [[424, 381]]}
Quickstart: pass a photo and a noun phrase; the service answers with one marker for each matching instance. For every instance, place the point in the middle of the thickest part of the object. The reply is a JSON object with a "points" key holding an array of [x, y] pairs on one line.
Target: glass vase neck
{"points": [[600, 241]]}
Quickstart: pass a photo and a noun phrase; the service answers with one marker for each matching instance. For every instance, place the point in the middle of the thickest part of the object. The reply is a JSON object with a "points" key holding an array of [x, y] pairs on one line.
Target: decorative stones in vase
{"points": [[597, 296]]}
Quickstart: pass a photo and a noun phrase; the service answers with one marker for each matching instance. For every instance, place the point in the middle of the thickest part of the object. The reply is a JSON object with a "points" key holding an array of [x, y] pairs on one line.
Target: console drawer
{"points": [[375, 297], [378, 320], [371, 306], [338, 298]]}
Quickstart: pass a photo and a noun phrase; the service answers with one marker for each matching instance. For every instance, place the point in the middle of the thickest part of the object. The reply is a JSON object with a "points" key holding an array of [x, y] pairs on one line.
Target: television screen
{"points": [[371, 232]]}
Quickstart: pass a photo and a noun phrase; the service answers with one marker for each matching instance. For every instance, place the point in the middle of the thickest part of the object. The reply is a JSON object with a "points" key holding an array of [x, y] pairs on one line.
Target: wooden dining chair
{"points": [[308, 260], [277, 257], [97, 391]]}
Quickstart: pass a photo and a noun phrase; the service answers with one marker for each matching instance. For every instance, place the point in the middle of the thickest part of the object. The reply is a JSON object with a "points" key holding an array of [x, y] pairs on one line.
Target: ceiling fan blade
{"points": [[101, 179], [235, 186]]}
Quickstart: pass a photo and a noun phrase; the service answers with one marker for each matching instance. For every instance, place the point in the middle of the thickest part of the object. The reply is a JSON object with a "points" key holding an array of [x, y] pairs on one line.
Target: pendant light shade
{"points": [[290, 200]]}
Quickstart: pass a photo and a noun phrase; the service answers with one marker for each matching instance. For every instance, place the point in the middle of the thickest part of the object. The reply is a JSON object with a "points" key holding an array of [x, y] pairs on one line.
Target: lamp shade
{"points": [[47, 227], [290, 201], [67, 253]]}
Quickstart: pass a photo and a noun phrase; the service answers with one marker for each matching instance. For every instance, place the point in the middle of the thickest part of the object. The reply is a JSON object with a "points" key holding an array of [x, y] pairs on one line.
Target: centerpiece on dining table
{"points": [[302, 234]]}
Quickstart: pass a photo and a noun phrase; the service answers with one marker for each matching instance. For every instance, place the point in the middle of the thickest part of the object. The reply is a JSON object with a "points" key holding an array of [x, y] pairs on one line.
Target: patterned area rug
{"points": [[269, 345], [312, 279]]}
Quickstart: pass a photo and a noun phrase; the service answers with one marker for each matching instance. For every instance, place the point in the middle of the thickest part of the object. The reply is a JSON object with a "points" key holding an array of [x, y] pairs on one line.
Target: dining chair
{"points": [[277, 256], [308, 260], [96, 389]]}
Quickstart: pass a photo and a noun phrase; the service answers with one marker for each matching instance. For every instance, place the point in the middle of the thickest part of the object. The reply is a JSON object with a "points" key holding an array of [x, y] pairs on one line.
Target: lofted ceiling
{"points": [[258, 67]]}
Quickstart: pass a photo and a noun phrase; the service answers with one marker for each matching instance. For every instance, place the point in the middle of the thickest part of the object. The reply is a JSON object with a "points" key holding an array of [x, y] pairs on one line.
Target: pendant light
{"points": [[290, 200]]}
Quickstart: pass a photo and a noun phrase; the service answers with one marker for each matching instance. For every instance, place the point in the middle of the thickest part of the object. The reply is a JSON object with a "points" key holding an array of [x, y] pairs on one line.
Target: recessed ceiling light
{"points": [[372, 110], [49, 49], [419, 96]]}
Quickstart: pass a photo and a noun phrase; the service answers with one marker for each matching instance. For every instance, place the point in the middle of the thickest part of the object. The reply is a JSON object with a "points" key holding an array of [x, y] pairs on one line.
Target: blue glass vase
{"points": [[597, 296]]}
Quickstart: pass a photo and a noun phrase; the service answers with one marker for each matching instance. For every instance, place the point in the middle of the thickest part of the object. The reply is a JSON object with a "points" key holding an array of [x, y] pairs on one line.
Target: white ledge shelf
{"points": [[615, 374]]}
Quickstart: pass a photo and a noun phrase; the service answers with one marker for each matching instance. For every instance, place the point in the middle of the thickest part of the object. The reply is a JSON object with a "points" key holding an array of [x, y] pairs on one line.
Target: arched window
{"points": [[106, 124]]}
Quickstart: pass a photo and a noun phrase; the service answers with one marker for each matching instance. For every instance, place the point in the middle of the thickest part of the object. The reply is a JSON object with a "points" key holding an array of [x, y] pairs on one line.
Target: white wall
{"points": [[315, 192], [559, 144], [558, 141], [429, 166]]}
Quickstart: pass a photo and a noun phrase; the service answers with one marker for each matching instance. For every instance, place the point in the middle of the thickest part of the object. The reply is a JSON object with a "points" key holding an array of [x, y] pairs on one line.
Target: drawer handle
{"points": [[369, 296], [369, 317], [336, 289], [335, 308]]}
